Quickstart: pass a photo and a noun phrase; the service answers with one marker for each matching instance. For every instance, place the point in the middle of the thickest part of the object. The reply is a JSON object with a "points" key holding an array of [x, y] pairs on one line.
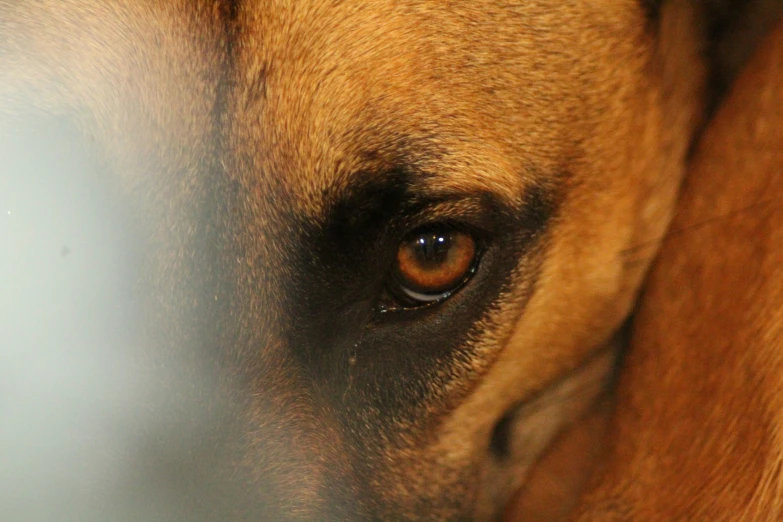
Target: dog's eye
{"points": [[432, 264]]}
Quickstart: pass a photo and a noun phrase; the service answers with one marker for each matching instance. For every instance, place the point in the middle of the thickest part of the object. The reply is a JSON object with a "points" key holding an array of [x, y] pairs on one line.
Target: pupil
{"points": [[433, 249]]}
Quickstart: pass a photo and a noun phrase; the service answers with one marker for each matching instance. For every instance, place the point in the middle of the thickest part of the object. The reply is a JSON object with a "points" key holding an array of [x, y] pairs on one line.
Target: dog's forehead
{"points": [[332, 94]]}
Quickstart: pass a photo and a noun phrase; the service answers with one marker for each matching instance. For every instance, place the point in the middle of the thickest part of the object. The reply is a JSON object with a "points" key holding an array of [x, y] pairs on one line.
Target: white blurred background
{"points": [[84, 431]]}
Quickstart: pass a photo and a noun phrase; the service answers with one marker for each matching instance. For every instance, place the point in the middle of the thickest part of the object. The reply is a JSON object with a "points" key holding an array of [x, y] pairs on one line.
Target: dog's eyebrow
{"points": [[369, 205], [403, 198]]}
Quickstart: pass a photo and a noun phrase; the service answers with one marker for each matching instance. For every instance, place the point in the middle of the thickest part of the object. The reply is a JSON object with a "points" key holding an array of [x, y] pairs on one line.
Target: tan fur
{"points": [[317, 113], [234, 129], [698, 424]]}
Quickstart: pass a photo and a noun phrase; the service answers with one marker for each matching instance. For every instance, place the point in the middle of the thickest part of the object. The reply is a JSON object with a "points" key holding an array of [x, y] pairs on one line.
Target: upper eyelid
{"points": [[468, 210]]}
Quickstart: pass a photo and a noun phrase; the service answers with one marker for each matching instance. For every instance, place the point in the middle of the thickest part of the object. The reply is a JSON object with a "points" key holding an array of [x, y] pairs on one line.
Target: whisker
{"points": [[672, 233]]}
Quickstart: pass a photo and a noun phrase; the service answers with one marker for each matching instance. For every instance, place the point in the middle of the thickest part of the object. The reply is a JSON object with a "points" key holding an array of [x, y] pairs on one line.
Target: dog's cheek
{"points": [[559, 478]]}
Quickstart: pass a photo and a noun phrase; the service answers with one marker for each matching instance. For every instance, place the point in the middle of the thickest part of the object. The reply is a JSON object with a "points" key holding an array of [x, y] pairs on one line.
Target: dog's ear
{"points": [[698, 401], [734, 29], [731, 30]]}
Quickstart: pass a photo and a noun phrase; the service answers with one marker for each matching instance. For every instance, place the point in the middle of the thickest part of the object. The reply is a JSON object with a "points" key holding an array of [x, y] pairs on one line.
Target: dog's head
{"points": [[436, 210], [417, 222]]}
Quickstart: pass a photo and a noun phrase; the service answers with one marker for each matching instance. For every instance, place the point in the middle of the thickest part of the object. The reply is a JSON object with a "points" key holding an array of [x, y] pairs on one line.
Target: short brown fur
{"points": [[697, 431], [237, 130]]}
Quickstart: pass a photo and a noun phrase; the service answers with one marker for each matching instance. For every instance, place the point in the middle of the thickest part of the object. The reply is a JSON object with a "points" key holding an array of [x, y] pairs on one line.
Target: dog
{"points": [[698, 419], [653, 424], [378, 250]]}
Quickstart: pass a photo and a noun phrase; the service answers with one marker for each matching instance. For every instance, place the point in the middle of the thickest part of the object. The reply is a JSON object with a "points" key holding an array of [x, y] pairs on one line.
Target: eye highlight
{"points": [[432, 263]]}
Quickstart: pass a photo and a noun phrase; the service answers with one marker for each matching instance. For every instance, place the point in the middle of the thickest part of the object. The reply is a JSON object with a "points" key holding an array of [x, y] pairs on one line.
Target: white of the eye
{"points": [[425, 298]]}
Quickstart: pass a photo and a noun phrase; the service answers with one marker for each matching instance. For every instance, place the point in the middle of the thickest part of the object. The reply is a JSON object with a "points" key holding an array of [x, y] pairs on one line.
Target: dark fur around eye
{"points": [[340, 269]]}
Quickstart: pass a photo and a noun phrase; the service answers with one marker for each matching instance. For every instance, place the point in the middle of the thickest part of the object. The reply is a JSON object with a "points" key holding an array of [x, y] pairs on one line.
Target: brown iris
{"points": [[433, 263]]}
